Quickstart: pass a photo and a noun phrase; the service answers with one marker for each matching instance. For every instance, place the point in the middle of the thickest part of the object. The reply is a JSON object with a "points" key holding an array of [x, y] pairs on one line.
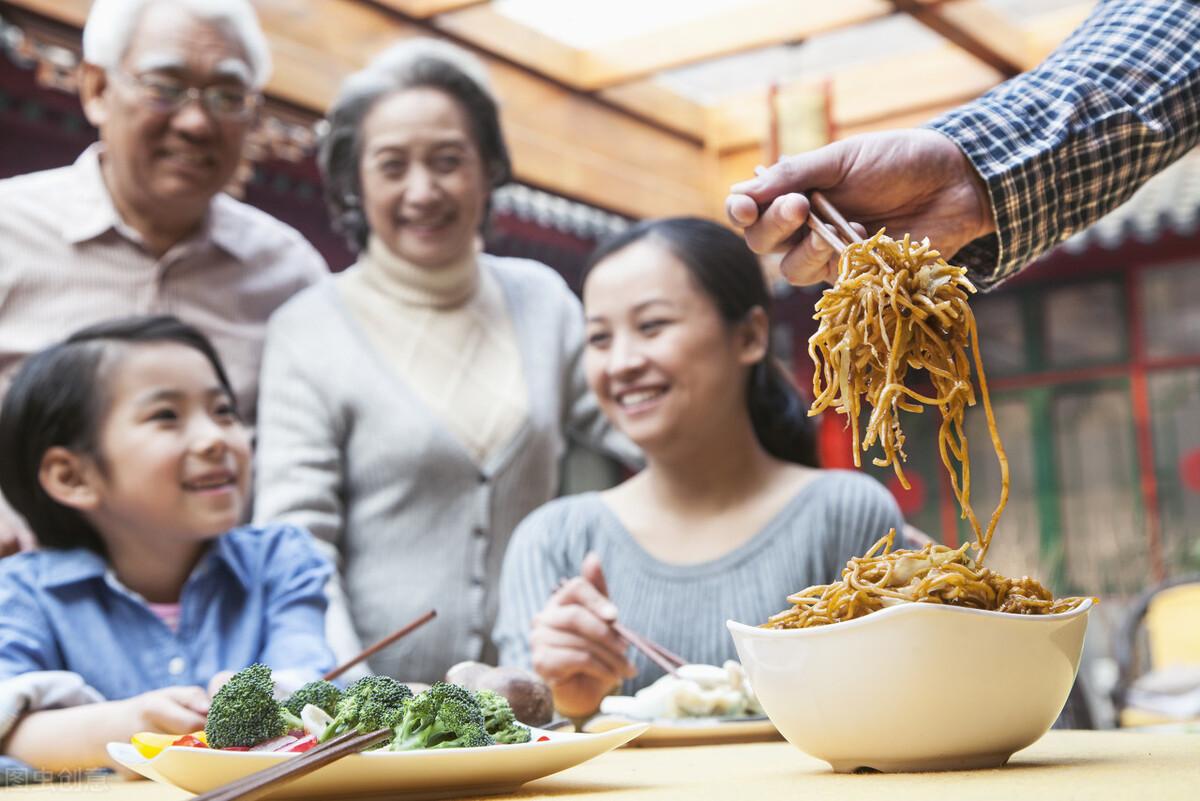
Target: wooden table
{"points": [[1090, 766]]}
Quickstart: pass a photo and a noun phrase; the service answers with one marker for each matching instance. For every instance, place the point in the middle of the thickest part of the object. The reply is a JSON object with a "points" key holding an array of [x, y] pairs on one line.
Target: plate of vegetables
{"points": [[446, 741]]}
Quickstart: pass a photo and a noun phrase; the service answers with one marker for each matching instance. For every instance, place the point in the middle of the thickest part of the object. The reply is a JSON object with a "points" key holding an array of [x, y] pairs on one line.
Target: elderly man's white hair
{"points": [[111, 23]]}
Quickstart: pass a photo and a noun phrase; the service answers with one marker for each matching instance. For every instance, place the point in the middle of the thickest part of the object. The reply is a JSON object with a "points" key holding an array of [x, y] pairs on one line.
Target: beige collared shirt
{"points": [[67, 261]]}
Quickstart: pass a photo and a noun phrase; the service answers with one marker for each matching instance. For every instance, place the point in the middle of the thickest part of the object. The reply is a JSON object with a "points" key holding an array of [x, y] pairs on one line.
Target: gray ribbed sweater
{"points": [[836, 516], [348, 451]]}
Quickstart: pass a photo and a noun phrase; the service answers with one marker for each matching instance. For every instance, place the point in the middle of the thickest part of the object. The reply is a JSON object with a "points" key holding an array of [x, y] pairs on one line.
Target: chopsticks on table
{"points": [[268, 780], [384, 643]]}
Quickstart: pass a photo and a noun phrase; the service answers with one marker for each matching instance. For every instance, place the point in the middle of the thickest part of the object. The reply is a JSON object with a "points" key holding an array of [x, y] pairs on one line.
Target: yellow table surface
{"points": [[1063, 765]]}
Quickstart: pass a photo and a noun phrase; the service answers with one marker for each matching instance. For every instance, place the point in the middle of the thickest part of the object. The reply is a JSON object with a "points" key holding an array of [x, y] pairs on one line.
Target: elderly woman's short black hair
{"points": [[411, 64]]}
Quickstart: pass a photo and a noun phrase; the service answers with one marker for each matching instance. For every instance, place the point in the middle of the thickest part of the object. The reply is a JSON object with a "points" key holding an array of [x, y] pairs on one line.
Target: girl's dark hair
{"points": [[729, 273], [412, 64], [58, 398]]}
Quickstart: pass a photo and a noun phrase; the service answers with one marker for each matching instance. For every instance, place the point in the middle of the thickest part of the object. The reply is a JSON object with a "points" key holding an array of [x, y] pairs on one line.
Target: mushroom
{"points": [[527, 694]]}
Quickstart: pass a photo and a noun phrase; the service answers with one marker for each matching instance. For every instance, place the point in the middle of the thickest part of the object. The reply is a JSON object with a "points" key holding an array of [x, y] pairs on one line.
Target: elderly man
{"points": [[138, 224]]}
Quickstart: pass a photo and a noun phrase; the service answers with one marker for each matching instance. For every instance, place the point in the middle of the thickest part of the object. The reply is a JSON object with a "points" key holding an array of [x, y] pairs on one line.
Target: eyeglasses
{"points": [[167, 95]]}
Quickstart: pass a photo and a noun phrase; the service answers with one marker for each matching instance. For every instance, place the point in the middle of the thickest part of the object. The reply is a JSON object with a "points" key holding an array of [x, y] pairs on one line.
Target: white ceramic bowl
{"points": [[917, 686]]}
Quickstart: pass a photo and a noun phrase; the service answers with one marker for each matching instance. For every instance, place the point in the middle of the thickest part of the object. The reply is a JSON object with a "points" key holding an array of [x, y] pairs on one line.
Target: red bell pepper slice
{"points": [[190, 741], [303, 744]]}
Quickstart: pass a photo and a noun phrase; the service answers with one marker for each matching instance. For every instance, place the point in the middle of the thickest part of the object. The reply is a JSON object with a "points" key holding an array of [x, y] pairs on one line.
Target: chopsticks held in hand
{"points": [[667, 660], [379, 646], [819, 207], [659, 655], [268, 780], [822, 215]]}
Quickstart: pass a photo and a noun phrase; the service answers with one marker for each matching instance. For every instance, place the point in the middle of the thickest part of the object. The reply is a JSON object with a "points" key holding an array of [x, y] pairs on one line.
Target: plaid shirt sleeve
{"points": [[1067, 142]]}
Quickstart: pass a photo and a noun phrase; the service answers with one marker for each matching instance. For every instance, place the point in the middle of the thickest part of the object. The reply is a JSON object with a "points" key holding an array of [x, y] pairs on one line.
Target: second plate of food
{"points": [[691, 731]]}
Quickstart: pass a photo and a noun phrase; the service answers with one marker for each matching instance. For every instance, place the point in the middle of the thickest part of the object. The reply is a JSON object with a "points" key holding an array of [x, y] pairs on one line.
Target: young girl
{"points": [[123, 449], [730, 514]]}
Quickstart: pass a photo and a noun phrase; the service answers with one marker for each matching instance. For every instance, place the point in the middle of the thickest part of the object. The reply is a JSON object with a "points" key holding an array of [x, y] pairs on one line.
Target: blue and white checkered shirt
{"points": [[1067, 142]]}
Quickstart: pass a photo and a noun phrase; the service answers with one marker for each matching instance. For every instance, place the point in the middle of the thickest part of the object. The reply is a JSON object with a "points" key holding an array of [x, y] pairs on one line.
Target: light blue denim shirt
{"points": [[257, 595]]}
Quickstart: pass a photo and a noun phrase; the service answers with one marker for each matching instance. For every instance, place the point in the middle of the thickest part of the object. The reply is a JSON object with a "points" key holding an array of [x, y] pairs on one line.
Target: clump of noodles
{"points": [[934, 574], [898, 306]]}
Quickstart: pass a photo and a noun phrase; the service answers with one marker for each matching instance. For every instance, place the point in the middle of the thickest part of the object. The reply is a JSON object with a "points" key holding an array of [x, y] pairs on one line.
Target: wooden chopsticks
{"points": [[667, 660], [820, 207], [659, 655], [268, 780], [384, 643]]}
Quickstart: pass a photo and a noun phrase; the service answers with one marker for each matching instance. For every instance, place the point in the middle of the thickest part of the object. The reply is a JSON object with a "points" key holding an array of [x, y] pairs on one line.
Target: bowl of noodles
{"points": [[924, 659], [916, 686]]}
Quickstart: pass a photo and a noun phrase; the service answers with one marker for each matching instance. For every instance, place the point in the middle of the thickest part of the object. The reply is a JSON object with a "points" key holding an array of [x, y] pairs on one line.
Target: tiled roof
{"points": [[1170, 201], [554, 211]]}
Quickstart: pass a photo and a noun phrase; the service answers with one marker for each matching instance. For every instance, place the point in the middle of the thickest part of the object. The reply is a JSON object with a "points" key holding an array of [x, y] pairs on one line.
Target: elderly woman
{"points": [[416, 407]]}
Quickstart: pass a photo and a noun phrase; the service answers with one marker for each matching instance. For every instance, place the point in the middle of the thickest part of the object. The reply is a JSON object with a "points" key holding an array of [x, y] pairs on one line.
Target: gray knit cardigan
{"points": [[347, 450]]}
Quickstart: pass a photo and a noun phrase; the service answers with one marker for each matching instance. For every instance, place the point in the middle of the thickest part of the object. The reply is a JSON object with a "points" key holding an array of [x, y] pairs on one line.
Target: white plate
{"points": [[691, 731], [410, 775]]}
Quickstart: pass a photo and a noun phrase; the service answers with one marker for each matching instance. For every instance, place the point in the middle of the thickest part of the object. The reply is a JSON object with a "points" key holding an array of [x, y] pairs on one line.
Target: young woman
{"points": [[729, 516], [124, 452]]}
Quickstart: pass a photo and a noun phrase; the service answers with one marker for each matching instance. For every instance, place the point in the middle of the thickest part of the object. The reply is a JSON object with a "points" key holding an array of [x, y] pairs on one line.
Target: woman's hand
{"points": [[574, 647], [912, 181], [171, 710]]}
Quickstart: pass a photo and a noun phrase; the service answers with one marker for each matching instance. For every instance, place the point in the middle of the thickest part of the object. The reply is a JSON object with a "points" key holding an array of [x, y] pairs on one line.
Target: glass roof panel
{"points": [[588, 23], [813, 59], [1021, 10]]}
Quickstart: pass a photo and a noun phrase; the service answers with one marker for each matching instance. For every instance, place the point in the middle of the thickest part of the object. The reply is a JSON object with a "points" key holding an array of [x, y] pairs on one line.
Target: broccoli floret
{"points": [[513, 735], [444, 716], [369, 704], [244, 711], [468, 736], [499, 719], [322, 694]]}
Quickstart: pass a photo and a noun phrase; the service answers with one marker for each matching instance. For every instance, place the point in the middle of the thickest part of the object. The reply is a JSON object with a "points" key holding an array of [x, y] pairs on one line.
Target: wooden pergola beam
{"points": [[977, 28], [489, 30], [423, 9], [762, 23], [889, 87], [750, 26], [652, 100], [635, 147], [563, 141], [898, 90]]}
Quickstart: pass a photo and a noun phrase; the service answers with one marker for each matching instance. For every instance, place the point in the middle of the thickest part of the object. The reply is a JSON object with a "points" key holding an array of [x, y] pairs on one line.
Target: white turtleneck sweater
{"points": [[447, 334]]}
